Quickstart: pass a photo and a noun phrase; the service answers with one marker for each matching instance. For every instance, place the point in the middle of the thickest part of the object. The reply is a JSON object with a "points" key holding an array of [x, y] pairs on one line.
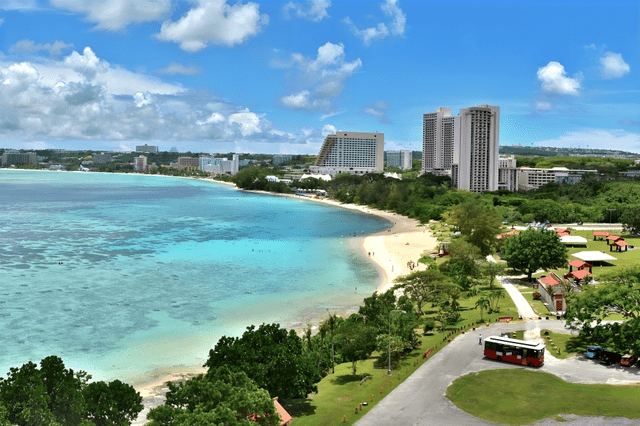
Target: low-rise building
{"points": [[402, 159], [147, 148], [534, 178]]}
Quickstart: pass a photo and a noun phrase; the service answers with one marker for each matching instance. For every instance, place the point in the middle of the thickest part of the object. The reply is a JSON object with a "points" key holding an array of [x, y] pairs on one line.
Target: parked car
{"points": [[628, 360], [610, 357], [594, 352]]}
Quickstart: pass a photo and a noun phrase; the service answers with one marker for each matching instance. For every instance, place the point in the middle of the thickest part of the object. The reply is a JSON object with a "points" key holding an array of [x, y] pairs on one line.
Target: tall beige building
{"points": [[476, 157], [351, 152], [438, 139]]}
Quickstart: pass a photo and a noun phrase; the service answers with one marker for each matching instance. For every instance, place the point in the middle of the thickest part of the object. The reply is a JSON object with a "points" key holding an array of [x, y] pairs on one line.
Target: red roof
{"points": [[286, 417], [550, 280], [580, 274], [564, 234], [613, 237], [508, 234], [620, 243], [577, 263], [559, 230], [600, 233]]}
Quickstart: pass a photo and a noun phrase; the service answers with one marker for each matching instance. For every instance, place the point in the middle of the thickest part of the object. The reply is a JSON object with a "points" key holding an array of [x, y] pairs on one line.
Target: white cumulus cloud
{"points": [[394, 26], [87, 63], [214, 22], [613, 66], [323, 78], [313, 10], [555, 81], [115, 15]]}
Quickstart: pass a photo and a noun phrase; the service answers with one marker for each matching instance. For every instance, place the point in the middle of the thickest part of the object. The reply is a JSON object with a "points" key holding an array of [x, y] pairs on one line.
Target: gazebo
{"points": [[579, 264], [613, 238], [579, 274], [600, 235], [618, 245]]}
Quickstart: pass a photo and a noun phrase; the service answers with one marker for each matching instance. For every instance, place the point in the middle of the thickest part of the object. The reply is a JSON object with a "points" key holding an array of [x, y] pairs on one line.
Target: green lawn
{"points": [[339, 394], [522, 396], [624, 259]]}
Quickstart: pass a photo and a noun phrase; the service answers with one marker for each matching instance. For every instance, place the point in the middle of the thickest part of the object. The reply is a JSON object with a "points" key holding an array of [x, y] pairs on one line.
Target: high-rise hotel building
{"points": [[438, 138], [476, 157], [466, 146], [351, 152]]}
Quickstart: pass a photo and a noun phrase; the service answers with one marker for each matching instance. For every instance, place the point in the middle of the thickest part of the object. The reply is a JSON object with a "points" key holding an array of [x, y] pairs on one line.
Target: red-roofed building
{"points": [[551, 289], [600, 235], [613, 238], [508, 234], [564, 234], [618, 244], [284, 415], [580, 264], [579, 274], [559, 230]]}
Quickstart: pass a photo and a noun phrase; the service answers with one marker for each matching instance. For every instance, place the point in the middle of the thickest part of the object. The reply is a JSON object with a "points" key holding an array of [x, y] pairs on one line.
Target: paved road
{"points": [[421, 400]]}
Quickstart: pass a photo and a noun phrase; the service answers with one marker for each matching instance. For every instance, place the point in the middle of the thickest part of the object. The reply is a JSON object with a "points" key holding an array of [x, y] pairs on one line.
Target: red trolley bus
{"points": [[514, 350]]}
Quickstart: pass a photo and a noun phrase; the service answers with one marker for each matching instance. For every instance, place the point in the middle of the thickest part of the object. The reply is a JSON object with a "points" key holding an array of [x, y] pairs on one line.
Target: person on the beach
{"points": [[480, 339]]}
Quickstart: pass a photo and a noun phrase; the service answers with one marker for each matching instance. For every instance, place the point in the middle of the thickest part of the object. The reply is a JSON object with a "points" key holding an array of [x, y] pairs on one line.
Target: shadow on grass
{"points": [[578, 344], [298, 407], [348, 378]]}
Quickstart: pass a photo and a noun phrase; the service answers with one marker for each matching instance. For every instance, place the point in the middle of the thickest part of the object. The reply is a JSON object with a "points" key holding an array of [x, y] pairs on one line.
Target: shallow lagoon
{"points": [[127, 276]]}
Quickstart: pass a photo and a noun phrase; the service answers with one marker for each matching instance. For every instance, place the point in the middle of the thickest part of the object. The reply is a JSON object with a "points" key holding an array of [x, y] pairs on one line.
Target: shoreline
{"points": [[389, 250]]}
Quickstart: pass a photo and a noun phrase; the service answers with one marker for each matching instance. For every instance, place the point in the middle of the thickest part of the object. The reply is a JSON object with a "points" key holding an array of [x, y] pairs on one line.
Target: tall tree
{"points": [[483, 303], [630, 219], [331, 322], [478, 222], [534, 249], [490, 270], [356, 340], [271, 356], [55, 395], [112, 404], [423, 286], [221, 397]]}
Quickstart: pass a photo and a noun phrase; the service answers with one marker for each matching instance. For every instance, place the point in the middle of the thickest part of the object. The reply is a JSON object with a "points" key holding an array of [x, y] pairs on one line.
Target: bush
{"points": [[536, 295], [429, 325]]}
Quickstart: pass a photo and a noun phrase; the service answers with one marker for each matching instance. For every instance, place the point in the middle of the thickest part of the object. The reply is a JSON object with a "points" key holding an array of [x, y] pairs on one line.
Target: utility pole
{"points": [[610, 210]]}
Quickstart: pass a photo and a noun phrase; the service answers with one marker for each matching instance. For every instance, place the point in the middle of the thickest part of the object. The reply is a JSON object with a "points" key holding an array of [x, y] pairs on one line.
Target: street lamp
{"points": [[610, 210], [395, 310]]}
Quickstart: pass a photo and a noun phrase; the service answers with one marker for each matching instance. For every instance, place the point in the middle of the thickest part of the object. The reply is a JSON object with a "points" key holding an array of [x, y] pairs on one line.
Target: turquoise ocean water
{"points": [[128, 276]]}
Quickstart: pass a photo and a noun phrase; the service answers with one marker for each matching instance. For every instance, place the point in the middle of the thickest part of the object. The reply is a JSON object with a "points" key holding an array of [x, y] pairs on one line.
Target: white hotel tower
{"points": [[351, 152], [465, 146]]}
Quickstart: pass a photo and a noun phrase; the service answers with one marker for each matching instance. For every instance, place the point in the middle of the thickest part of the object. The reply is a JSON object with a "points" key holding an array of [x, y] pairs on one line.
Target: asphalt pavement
{"points": [[421, 399]]}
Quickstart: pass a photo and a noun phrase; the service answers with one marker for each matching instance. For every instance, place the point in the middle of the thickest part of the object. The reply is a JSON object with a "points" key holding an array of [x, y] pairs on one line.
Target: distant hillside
{"points": [[543, 151]]}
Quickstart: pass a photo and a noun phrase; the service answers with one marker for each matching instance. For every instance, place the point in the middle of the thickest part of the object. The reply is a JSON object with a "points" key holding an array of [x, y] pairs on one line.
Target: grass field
{"points": [[339, 394], [534, 395]]}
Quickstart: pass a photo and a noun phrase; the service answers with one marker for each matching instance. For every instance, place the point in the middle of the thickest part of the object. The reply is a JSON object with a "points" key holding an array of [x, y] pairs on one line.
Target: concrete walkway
{"points": [[524, 308]]}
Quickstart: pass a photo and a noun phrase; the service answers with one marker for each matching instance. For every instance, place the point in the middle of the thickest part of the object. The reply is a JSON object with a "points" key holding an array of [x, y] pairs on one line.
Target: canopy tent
{"points": [[573, 239], [593, 256]]}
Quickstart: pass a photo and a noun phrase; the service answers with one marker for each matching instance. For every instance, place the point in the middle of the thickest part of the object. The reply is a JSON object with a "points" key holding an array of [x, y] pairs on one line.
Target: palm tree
{"points": [[324, 327], [497, 296], [331, 323], [483, 303], [307, 337]]}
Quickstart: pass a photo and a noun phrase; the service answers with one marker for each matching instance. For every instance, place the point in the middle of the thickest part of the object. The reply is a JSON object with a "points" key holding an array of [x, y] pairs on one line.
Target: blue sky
{"points": [[276, 77]]}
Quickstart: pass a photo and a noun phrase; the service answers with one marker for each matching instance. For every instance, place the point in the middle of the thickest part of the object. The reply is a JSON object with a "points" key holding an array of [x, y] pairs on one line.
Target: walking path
{"points": [[524, 308]]}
